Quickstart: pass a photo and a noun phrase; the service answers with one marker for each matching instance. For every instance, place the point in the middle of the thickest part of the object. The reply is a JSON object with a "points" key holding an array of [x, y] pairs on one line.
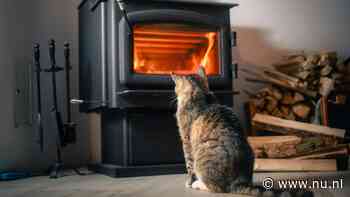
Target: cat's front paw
{"points": [[188, 183], [199, 185], [189, 180]]}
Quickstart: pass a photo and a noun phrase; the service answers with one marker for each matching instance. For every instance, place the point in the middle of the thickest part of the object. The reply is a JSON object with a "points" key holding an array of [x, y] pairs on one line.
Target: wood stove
{"points": [[126, 57]]}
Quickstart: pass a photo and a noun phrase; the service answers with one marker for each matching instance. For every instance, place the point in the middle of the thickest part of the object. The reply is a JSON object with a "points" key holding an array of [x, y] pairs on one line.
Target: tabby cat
{"points": [[217, 154]]}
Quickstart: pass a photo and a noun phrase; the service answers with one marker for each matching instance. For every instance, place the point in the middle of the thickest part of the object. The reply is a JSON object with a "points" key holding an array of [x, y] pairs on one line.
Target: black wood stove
{"points": [[127, 51]]}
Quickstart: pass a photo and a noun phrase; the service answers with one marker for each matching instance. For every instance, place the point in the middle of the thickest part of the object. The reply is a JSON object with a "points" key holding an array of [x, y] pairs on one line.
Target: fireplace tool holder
{"points": [[66, 132]]}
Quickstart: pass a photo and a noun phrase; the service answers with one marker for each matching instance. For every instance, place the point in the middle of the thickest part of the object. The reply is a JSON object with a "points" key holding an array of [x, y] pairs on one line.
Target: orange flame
{"points": [[211, 39], [172, 50]]}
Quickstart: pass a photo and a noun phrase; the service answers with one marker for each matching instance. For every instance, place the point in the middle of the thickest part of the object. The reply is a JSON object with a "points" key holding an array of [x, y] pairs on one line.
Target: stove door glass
{"points": [[164, 48]]}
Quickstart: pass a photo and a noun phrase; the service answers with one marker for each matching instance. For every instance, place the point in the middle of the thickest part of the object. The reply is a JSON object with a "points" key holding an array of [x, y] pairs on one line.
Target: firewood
{"points": [[281, 83], [309, 144], [258, 103], [290, 68], [276, 93], [287, 98], [331, 154], [301, 110], [304, 74], [313, 59], [265, 92], [284, 110], [282, 150], [274, 146], [290, 116], [326, 70], [271, 104], [298, 97], [295, 165], [310, 63], [327, 86], [259, 141], [307, 66], [279, 75], [285, 126], [276, 112], [328, 58], [325, 152], [297, 57], [287, 63]]}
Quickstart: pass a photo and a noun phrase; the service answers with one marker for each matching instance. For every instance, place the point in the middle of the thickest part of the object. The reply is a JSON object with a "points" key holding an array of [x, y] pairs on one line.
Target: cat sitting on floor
{"points": [[217, 154]]}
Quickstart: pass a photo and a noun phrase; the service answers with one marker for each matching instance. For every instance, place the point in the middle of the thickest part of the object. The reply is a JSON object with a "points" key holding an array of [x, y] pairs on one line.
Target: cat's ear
{"points": [[203, 76], [173, 77]]}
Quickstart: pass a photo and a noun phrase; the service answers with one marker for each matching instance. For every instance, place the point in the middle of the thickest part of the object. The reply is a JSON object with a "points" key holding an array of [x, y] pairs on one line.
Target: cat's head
{"points": [[189, 85]]}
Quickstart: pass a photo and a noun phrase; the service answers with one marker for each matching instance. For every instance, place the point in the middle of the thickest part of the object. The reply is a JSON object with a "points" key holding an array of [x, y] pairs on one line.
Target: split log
{"points": [[310, 144], [276, 112], [288, 84], [325, 71], [274, 124], [298, 97], [285, 110], [289, 165], [325, 152], [331, 154], [301, 110], [259, 141], [259, 103], [277, 93], [274, 146], [326, 86], [290, 65], [271, 103], [288, 98]]}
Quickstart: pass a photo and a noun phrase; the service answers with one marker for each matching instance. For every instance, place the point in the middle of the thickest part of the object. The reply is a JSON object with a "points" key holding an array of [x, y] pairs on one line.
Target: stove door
{"points": [[158, 42]]}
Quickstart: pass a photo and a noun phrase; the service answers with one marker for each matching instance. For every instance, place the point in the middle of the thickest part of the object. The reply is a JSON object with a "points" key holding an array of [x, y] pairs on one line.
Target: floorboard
{"points": [[96, 185]]}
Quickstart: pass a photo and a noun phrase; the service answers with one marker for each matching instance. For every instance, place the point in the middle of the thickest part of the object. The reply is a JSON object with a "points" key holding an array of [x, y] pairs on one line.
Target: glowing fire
{"points": [[165, 49]]}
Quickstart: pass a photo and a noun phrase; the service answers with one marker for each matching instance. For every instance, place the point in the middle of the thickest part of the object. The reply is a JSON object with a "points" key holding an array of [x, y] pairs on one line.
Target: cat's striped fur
{"points": [[218, 156], [216, 152]]}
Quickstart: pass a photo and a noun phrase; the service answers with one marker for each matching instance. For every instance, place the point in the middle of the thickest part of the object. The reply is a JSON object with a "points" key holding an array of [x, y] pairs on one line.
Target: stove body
{"points": [[125, 66]]}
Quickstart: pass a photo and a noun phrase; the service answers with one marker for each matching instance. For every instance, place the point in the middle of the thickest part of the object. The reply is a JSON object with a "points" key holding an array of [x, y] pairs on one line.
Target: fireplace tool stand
{"points": [[65, 132]]}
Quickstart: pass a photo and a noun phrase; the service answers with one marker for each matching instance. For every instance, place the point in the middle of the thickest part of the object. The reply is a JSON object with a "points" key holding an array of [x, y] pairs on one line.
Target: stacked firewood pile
{"points": [[283, 103], [288, 106]]}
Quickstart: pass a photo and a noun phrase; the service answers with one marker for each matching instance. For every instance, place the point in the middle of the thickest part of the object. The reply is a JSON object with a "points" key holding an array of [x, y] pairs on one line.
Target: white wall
{"points": [[268, 29]]}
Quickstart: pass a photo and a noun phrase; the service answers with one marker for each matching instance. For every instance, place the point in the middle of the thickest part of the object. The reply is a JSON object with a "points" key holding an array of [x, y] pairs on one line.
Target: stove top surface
{"points": [[227, 3]]}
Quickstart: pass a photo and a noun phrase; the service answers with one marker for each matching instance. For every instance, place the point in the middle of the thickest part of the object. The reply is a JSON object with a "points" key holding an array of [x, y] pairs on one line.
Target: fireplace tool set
{"points": [[66, 132]]}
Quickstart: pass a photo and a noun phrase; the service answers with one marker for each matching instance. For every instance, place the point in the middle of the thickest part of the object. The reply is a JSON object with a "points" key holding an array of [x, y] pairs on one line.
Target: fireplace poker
{"points": [[70, 127], [58, 166], [36, 57]]}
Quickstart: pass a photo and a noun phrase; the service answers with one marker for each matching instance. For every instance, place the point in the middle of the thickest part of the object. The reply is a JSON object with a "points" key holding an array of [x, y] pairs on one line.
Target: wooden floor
{"points": [[153, 186]]}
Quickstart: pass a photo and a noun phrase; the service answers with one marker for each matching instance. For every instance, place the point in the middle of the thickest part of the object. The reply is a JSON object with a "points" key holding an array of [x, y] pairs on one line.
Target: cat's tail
{"points": [[257, 191]]}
